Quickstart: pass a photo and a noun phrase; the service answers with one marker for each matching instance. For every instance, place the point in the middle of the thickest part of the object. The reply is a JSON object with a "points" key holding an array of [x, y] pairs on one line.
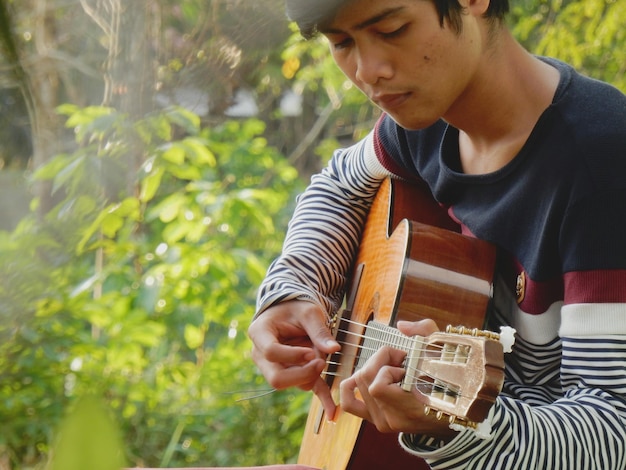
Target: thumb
{"points": [[317, 328], [422, 328]]}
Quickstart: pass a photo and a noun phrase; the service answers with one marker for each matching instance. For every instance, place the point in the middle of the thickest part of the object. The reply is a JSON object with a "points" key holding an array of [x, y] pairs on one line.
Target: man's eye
{"points": [[342, 44], [395, 33]]}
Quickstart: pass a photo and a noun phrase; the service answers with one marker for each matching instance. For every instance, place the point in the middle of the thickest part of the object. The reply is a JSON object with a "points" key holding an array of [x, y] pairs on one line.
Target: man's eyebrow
{"points": [[364, 24]]}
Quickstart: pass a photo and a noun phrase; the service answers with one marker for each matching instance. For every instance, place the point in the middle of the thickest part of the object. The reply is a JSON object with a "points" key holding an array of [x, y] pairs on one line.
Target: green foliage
{"points": [[314, 72], [88, 438], [139, 286], [589, 34]]}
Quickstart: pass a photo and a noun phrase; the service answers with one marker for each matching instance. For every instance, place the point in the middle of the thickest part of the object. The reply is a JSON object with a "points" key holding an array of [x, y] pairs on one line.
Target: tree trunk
{"points": [[43, 87], [133, 71]]}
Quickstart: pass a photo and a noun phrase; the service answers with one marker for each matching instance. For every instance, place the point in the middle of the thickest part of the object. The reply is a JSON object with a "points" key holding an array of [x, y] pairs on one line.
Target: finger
{"points": [[395, 408], [370, 408], [281, 376], [316, 326], [349, 401], [291, 355], [277, 326], [377, 376], [322, 391], [385, 356], [422, 328], [385, 386]]}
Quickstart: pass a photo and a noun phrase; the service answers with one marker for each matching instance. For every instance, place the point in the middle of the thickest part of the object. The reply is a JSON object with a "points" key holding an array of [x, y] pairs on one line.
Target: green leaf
{"points": [[110, 220], [189, 121], [185, 172], [67, 109], [168, 209], [71, 171], [116, 215], [86, 115], [52, 167], [198, 151], [154, 126], [88, 440], [175, 153], [150, 184], [194, 336]]}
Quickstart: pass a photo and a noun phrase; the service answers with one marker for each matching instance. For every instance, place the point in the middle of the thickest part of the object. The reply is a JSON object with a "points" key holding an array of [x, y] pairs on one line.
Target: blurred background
{"points": [[150, 155]]}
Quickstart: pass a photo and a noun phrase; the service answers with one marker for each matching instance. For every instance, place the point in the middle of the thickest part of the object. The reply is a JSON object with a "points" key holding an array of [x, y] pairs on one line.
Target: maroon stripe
{"points": [[539, 296], [578, 287], [595, 286], [384, 158]]}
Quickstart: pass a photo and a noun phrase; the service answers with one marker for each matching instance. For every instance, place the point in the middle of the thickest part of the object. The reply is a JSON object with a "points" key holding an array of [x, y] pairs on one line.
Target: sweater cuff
{"points": [[430, 448]]}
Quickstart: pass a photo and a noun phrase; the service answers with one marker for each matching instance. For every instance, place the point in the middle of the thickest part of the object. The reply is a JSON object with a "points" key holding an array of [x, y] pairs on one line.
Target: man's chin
{"points": [[412, 123]]}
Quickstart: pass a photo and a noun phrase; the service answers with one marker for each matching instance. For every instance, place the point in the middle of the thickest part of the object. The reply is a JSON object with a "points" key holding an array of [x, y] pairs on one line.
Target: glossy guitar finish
{"points": [[405, 270]]}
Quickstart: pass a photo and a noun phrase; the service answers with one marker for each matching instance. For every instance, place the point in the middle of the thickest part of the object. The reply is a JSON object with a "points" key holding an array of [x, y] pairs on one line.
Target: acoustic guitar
{"points": [[411, 265]]}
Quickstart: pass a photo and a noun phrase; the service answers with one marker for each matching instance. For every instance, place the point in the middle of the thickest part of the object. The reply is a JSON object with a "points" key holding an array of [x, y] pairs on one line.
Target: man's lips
{"points": [[390, 100]]}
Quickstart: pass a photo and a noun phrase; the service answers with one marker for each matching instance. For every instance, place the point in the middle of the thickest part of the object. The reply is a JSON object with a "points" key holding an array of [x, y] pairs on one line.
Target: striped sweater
{"points": [[557, 213]]}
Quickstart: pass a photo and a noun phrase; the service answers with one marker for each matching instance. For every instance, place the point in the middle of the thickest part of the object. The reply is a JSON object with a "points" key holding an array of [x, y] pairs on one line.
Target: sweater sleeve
{"points": [[584, 428], [324, 232]]}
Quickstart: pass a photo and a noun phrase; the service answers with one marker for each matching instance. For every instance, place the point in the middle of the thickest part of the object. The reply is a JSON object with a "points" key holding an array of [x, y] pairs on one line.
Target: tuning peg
{"points": [[461, 330], [507, 338], [454, 421], [506, 335]]}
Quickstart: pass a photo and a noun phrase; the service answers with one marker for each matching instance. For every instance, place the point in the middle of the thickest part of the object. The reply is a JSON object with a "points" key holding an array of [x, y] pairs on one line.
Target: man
{"points": [[524, 153]]}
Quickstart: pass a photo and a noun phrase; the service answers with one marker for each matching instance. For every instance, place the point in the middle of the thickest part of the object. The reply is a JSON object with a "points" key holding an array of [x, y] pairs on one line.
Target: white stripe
{"points": [[538, 329], [593, 320], [371, 161]]}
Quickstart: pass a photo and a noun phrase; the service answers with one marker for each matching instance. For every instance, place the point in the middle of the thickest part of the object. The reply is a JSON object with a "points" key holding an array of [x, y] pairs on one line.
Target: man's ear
{"points": [[475, 7]]}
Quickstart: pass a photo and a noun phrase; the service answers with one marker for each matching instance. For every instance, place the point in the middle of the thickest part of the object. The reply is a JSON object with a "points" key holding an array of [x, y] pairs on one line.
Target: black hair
{"points": [[309, 14]]}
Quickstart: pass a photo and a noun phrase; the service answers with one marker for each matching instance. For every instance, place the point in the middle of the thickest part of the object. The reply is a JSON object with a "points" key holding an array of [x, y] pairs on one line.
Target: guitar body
{"points": [[411, 265]]}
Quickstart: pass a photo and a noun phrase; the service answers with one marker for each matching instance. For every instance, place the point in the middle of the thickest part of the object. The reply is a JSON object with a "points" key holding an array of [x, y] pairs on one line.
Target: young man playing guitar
{"points": [[522, 152]]}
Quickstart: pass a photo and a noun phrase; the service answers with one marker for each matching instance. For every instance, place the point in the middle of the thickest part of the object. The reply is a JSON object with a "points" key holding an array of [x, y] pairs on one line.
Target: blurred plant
{"points": [[589, 34], [139, 281], [139, 285], [88, 438]]}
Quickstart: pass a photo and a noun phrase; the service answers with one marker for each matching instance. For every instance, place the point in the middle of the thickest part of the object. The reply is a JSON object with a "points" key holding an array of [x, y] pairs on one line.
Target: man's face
{"points": [[399, 55]]}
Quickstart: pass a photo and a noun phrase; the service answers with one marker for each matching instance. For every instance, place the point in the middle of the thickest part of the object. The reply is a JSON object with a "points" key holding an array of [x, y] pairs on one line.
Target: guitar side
{"points": [[405, 270]]}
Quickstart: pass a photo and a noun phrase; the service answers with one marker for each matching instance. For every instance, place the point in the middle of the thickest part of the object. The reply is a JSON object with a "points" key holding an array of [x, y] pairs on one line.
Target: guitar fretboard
{"points": [[377, 335]]}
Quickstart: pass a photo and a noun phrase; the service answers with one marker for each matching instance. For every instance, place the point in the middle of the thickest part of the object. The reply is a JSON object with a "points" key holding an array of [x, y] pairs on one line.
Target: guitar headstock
{"points": [[460, 373]]}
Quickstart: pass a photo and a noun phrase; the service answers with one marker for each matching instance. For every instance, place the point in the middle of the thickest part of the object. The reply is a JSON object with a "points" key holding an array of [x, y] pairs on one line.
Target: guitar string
{"points": [[385, 342], [252, 394], [362, 348], [417, 382], [390, 333], [426, 347], [435, 384], [424, 386], [260, 393]]}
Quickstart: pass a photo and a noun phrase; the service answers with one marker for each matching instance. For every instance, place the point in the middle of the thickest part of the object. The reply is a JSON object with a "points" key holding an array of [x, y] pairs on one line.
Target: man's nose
{"points": [[372, 66]]}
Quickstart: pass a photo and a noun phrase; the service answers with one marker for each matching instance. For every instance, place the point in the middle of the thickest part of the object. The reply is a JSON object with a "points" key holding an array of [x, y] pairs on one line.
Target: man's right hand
{"points": [[291, 341]]}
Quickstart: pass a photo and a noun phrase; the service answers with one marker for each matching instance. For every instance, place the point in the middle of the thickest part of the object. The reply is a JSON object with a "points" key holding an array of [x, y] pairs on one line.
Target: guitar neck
{"points": [[379, 334], [459, 373]]}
